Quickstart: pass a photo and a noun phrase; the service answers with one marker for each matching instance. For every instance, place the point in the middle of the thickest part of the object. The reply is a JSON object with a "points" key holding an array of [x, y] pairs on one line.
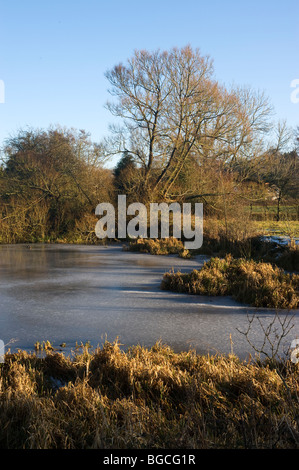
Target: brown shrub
{"points": [[147, 398], [255, 283]]}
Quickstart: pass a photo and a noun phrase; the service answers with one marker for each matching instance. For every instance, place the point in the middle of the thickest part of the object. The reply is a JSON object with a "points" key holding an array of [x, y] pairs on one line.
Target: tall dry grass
{"points": [[155, 246], [143, 398]]}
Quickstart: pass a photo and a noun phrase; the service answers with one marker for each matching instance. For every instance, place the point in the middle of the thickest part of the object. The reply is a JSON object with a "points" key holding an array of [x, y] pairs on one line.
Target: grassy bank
{"points": [[241, 239], [162, 246], [146, 399], [257, 284]]}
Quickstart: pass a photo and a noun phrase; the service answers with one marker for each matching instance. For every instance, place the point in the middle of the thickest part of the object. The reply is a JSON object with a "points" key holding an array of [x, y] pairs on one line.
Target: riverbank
{"points": [[69, 293], [279, 251], [146, 398], [257, 284]]}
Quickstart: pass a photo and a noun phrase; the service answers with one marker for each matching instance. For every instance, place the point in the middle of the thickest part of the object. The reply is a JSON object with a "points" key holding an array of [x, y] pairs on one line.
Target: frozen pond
{"points": [[69, 293], [280, 240]]}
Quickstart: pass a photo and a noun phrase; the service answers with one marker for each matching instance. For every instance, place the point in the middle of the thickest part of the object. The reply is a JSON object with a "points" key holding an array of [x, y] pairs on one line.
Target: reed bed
{"points": [[256, 283], [159, 246], [146, 398]]}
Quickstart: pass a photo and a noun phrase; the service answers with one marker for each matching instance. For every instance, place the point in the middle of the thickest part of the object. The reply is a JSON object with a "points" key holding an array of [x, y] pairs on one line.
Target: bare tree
{"points": [[52, 178], [173, 110], [274, 333], [279, 166]]}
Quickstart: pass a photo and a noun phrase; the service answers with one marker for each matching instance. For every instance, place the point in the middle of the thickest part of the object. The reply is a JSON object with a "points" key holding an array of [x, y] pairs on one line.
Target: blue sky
{"points": [[53, 54]]}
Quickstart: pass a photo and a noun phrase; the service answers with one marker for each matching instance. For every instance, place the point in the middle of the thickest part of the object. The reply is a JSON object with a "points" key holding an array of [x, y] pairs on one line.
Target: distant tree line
{"points": [[50, 184], [182, 137]]}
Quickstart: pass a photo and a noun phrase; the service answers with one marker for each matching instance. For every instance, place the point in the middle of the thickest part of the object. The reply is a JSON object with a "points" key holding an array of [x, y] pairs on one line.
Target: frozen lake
{"points": [[69, 293]]}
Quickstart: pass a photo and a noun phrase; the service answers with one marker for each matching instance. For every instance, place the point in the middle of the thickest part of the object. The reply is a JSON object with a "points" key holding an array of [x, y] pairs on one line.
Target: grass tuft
{"points": [[163, 246], [146, 398], [255, 283]]}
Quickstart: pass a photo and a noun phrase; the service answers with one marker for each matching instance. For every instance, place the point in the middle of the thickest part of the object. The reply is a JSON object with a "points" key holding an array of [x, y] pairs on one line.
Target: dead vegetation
{"points": [[162, 246], [144, 398], [255, 283]]}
